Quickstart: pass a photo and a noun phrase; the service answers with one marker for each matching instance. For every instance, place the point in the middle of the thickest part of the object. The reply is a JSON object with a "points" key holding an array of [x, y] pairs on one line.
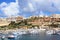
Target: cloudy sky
{"points": [[28, 8]]}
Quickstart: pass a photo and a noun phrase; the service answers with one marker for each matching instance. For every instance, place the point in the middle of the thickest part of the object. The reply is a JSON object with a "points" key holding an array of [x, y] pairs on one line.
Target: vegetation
{"points": [[54, 25], [24, 23]]}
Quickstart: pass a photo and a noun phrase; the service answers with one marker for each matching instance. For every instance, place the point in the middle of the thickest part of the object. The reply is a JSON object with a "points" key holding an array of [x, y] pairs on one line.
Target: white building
{"points": [[56, 15]]}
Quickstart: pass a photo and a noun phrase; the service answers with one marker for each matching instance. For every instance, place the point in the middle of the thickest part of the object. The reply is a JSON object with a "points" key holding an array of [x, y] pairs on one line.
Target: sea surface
{"points": [[40, 36]]}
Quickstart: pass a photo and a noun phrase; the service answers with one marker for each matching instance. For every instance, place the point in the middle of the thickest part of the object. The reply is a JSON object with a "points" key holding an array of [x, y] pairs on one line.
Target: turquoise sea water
{"points": [[41, 36]]}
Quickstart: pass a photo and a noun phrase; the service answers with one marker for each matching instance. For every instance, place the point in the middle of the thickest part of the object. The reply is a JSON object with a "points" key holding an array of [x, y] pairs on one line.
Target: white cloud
{"points": [[25, 9], [57, 4], [30, 6], [12, 9], [44, 5], [3, 5], [17, 1]]}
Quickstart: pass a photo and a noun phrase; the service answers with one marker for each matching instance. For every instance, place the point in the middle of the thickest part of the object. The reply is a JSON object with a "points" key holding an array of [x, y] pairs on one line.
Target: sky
{"points": [[27, 8]]}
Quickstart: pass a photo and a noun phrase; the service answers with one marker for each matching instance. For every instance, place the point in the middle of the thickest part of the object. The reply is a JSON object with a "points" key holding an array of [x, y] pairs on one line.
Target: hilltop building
{"points": [[16, 19]]}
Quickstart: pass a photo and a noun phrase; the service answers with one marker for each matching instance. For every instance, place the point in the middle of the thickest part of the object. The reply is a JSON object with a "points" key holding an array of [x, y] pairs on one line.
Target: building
{"points": [[10, 19], [16, 19], [55, 15], [46, 20]]}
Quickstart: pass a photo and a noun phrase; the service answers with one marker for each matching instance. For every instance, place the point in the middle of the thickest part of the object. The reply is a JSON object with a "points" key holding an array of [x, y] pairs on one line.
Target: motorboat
{"points": [[12, 35], [58, 32], [33, 31], [41, 29], [51, 32], [23, 32]]}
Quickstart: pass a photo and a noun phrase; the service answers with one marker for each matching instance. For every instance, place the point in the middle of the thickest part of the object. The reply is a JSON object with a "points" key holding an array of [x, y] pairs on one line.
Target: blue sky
{"points": [[28, 8], [7, 1]]}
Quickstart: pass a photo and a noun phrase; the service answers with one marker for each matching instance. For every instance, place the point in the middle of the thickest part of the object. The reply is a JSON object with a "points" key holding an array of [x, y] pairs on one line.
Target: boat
{"points": [[42, 29], [12, 35], [51, 32], [23, 32], [15, 34], [58, 32], [3, 37], [34, 31]]}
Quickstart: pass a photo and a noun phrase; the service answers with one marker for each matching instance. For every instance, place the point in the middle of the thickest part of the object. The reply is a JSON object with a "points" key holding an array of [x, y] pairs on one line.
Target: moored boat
{"points": [[51, 32]]}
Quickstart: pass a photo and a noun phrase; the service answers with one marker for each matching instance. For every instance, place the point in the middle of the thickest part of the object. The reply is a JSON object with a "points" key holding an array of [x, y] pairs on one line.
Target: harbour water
{"points": [[40, 36]]}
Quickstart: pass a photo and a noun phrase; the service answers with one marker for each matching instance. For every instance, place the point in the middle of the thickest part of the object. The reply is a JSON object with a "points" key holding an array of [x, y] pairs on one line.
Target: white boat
{"points": [[36, 30], [22, 32], [33, 31], [42, 29], [11, 36], [3, 37], [58, 31], [52, 32], [49, 32]]}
